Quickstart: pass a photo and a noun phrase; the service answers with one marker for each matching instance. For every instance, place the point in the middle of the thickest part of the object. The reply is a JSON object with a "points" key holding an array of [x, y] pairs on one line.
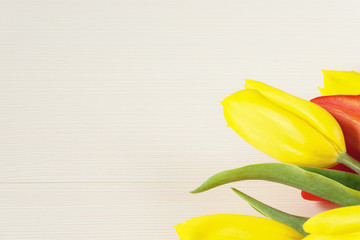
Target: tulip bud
{"points": [[346, 110], [340, 82], [287, 128], [234, 227], [339, 223]]}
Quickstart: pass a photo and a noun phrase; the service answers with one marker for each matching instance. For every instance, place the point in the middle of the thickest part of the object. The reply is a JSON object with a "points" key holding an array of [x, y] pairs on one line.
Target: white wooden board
{"points": [[110, 114]]}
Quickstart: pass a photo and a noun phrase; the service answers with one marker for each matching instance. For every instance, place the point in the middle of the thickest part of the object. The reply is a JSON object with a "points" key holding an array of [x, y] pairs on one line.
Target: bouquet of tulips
{"points": [[313, 140]]}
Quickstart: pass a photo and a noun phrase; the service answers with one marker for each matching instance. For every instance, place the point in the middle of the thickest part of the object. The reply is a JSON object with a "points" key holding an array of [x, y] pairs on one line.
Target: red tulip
{"points": [[346, 110]]}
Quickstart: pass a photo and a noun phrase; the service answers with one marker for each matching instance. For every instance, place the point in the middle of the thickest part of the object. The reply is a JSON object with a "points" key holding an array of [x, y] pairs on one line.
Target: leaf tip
{"points": [[197, 190]]}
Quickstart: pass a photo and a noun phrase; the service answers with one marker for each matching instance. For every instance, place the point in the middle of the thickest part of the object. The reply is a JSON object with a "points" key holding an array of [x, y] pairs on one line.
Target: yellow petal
{"points": [[317, 237], [345, 220], [340, 82], [277, 131], [316, 116], [234, 227], [352, 236]]}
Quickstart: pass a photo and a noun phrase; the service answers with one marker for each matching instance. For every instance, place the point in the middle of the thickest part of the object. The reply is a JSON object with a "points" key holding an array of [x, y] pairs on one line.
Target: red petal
{"points": [[346, 110]]}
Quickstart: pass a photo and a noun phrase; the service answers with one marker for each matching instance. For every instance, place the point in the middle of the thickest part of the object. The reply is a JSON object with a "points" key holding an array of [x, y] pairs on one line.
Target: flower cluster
{"points": [[313, 140]]}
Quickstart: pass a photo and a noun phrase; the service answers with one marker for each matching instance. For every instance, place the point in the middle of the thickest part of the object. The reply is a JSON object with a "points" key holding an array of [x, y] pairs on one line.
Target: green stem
{"points": [[347, 160]]}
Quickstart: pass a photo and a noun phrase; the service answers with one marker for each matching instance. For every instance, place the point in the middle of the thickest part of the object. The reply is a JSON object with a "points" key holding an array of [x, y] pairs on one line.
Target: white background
{"points": [[110, 113]]}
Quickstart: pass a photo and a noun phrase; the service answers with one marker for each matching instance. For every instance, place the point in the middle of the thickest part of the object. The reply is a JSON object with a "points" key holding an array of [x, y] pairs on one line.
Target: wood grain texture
{"points": [[110, 114]]}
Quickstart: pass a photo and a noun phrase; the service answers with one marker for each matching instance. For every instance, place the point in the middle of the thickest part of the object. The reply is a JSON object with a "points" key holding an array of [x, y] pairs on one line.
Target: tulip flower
{"points": [[287, 128], [234, 227], [340, 82], [340, 223], [346, 110]]}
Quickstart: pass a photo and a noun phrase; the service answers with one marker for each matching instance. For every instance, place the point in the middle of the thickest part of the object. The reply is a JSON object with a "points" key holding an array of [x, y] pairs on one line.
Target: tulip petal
{"points": [[352, 236], [346, 110], [340, 82], [234, 227], [337, 221], [314, 115], [279, 133]]}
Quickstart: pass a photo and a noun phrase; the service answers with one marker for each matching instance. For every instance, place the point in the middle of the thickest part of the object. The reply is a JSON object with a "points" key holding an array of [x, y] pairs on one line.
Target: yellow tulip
{"points": [[285, 127], [340, 82], [342, 237], [234, 227], [340, 224]]}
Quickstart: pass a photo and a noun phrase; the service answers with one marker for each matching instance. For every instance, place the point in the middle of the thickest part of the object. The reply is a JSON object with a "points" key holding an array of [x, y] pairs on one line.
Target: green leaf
{"points": [[350, 180], [290, 175], [293, 221]]}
